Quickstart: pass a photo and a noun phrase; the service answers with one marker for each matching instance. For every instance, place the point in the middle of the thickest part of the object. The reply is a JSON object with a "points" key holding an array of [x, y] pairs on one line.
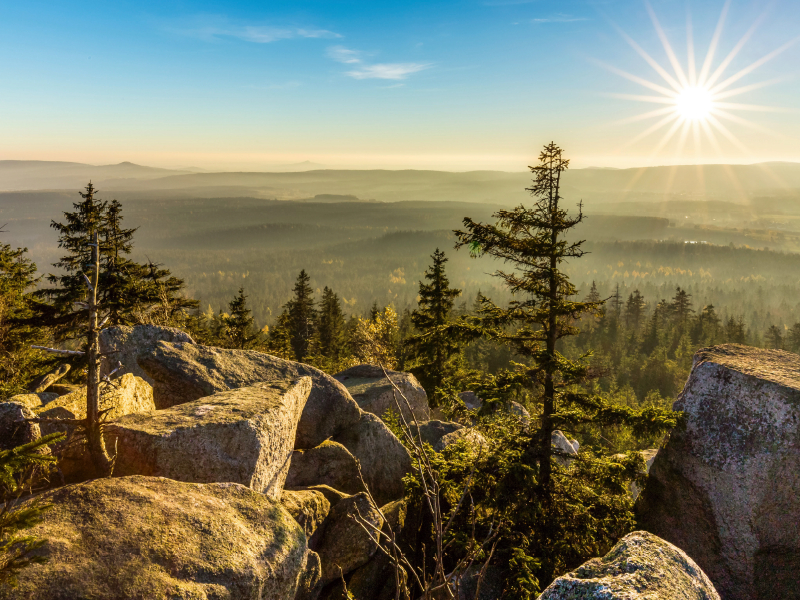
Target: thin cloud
{"points": [[387, 71], [214, 28], [344, 55], [560, 18]]}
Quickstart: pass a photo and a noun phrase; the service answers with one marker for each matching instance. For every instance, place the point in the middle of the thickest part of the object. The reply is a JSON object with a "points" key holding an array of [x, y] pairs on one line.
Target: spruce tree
{"points": [[774, 337], [302, 316], [433, 347], [331, 327], [544, 502], [240, 328], [634, 310]]}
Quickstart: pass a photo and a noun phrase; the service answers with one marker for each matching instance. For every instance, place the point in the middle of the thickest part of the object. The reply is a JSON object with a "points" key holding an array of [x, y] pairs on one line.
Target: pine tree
{"points": [[682, 307], [18, 362], [331, 327], [634, 310], [774, 337], [302, 316], [433, 348], [543, 503], [240, 330]]}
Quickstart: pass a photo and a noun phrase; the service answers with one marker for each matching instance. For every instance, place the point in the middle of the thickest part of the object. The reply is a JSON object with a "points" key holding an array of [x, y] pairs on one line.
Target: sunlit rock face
{"points": [[726, 487], [641, 566], [150, 537]]}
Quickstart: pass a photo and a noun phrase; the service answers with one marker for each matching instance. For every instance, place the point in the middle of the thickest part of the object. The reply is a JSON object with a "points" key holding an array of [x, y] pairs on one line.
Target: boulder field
{"points": [[726, 486]]}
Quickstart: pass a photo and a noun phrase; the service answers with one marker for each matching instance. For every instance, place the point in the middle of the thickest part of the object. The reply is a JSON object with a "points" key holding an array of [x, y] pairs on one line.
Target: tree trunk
{"points": [[94, 436]]}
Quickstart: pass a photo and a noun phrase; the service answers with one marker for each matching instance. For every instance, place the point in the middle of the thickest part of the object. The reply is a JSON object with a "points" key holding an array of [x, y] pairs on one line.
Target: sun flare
{"points": [[695, 95], [694, 103]]}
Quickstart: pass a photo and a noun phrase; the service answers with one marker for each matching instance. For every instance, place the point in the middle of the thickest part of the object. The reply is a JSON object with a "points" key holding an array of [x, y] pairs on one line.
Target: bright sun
{"points": [[694, 103]]}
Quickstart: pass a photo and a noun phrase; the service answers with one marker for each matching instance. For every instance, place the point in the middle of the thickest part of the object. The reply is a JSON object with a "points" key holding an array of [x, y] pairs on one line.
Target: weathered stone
{"points": [[520, 412], [562, 445], [471, 400], [383, 458], [186, 372], [308, 507], [62, 389], [374, 392], [244, 436], [125, 396], [14, 429], [330, 463], [40, 384], [344, 544], [376, 577], [432, 431], [310, 583], [140, 537], [331, 495], [726, 486], [641, 566], [33, 401], [123, 344], [649, 457], [470, 436]]}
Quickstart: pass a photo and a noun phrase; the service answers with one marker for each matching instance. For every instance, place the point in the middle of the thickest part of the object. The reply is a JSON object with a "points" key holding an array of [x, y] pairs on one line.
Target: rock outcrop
{"points": [[641, 566], [33, 401], [142, 537], [14, 429], [125, 396], [563, 446], [383, 458], [40, 384], [471, 400], [344, 544], [726, 486], [308, 507], [330, 463], [244, 436], [472, 437], [185, 372], [124, 344], [374, 392], [430, 432]]}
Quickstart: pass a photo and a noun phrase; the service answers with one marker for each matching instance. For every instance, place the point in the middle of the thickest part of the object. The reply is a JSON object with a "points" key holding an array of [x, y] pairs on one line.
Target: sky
{"points": [[433, 85]]}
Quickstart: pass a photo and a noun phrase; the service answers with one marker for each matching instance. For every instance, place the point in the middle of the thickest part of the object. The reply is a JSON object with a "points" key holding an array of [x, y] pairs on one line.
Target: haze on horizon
{"points": [[446, 85]]}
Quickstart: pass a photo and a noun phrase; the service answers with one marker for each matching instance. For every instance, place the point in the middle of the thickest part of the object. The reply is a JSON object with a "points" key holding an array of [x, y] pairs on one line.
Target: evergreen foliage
{"points": [[434, 350], [19, 467], [302, 317], [239, 326]]}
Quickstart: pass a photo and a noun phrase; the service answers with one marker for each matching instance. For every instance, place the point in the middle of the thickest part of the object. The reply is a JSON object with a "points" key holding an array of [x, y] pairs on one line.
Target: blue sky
{"points": [[453, 85]]}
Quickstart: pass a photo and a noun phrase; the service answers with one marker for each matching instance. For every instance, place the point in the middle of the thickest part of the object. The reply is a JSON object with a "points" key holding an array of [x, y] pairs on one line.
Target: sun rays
{"points": [[696, 102]]}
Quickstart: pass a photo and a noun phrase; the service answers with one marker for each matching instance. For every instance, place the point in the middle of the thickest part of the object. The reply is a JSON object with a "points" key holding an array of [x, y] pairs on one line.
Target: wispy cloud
{"points": [[344, 55], [387, 71], [559, 18], [214, 28], [348, 56]]}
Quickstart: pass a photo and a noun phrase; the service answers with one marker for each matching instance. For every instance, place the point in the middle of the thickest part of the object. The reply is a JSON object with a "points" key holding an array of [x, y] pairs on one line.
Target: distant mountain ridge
{"points": [[733, 183]]}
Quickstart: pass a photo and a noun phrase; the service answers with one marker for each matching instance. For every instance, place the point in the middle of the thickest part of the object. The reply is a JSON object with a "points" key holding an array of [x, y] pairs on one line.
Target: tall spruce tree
{"points": [[433, 347], [302, 316], [331, 327], [129, 291], [546, 505], [240, 329]]}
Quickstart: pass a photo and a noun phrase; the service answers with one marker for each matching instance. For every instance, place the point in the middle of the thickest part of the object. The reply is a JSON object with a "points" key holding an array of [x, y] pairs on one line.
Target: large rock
{"points": [[383, 458], [726, 486], [244, 436], [123, 344], [308, 507], [562, 446], [40, 384], [430, 432], [14, 429], [32, 400], [142, 537], [472, 437], [641, 566], [330, 463], [124, 396], [345, 544], [185, 372], [374, 392]]}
